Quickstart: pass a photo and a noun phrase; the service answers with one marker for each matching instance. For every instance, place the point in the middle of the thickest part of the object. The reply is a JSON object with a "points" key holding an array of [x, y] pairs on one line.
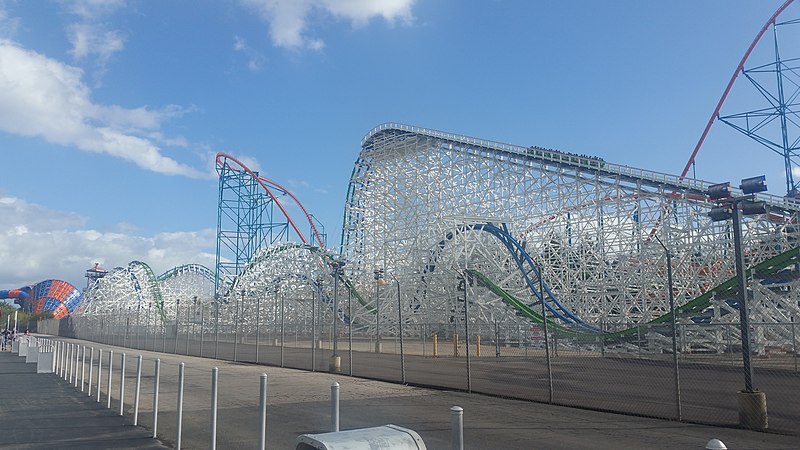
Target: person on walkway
{"points": [[5, 334]]}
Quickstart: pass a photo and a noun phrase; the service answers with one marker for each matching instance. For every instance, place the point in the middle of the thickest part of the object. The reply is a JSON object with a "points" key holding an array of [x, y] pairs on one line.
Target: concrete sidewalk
{"points": [[298, 403], [42, 411]]}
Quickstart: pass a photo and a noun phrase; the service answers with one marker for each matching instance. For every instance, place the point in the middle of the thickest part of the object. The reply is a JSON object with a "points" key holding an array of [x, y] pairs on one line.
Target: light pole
{"points": [[379, 281], [674, 329], [752, 403], [336, 361]]}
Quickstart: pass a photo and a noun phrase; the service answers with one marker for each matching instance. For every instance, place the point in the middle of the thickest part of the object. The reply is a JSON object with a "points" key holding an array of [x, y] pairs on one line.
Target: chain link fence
{"points": [[630, 370]]}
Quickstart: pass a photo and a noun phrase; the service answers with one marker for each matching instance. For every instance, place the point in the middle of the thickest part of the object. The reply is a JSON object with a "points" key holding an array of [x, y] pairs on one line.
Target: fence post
{"points": [[138, 390], [794, 346], [335, 407], [262, 437], [214, 378], [435, 345], [179, 419], [155, 397], [457, 427]]}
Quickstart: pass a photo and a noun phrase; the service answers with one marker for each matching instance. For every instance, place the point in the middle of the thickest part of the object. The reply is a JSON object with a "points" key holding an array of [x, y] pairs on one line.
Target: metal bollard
{"points": [[262, 437], [99, 372], [77, 364], [83, 368], [122, 385], [335, 407], [110, 372], [179, 421], [91, 370], [157, 376], [457, 427], [214, 379], [138, 390]]}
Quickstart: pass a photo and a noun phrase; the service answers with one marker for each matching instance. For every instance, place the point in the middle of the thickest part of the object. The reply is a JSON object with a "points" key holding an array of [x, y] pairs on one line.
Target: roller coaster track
{"points": [[724, 290], [736, 72], [151, 284], [528, 269], [266, 184]]}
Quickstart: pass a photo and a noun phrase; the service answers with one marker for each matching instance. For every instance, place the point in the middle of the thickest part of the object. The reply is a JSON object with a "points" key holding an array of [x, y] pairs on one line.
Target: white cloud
{"points": [[8, 25], [288, 19], [92, 9], [44, 244], [88, 40], [255, 60], [42, 97]]}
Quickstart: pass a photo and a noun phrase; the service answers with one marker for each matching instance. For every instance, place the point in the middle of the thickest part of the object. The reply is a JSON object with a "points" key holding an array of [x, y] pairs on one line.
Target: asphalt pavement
{"points": [[44, 411]]}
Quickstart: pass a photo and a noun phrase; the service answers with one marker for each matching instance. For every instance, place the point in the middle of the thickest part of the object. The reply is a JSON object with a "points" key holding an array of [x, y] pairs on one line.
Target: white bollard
{"points": [[214, 379], [179, 421], [91, 369], [83, 367], [155, 397], [77, 361], [138, 389], [110, 372], [335, 407], [262, 437], [122, 385], [99, 372], [457, 427]]}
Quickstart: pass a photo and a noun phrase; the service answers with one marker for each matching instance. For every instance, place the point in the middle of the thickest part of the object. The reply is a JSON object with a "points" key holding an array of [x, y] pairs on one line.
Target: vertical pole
{"points": [[91, 369], [156, 383], [335, 407], [546, 340], [108, 381], [236, 328], [214, 380], [216, 329], [83, 368], [99, 372], [179, 419], [138, 390], [262, 435], [122, 385], [678, 412], [350, 331], [314, 325], [400, 328], [187, 325], [77, 364], [742, 284], [794, 346], [283, 311], [466, 330], [258, 325], [457, 427], [202, 327], [496, 340], [177, 317]]}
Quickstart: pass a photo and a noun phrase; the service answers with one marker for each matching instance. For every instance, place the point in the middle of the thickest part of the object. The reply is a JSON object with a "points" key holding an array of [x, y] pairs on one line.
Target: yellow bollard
{"points": [[435, 346], [455, 345], [478, 346]]}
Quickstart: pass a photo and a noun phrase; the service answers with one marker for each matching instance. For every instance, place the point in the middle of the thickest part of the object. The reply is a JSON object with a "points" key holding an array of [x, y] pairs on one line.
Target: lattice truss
{"points": [[135, 290], [587, 224], [289, 279]]}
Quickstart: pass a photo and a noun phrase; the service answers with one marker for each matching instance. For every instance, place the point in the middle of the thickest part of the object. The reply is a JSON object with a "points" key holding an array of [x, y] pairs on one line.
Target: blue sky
{"points": [[111, 111]]}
